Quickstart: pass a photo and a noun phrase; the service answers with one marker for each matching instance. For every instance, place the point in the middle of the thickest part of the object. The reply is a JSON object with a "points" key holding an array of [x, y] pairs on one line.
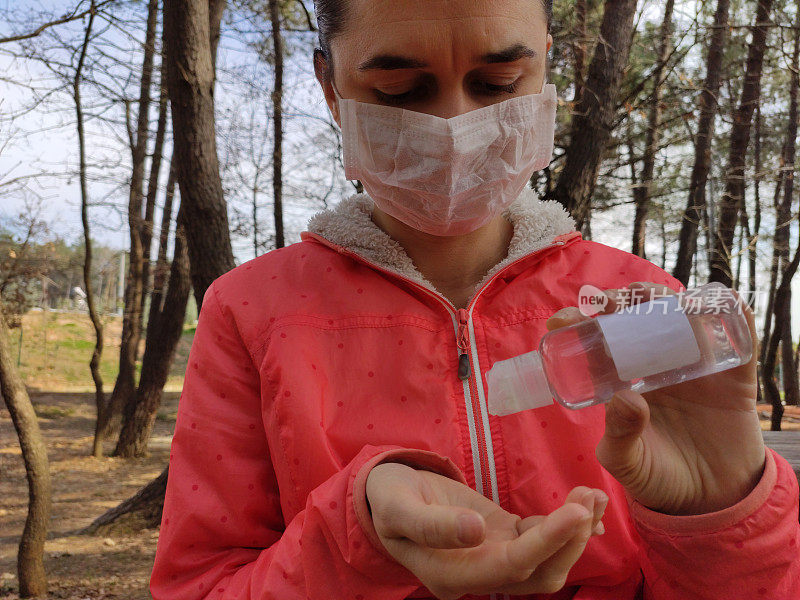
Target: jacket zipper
{"points": [[468, 367], [462, 341]]}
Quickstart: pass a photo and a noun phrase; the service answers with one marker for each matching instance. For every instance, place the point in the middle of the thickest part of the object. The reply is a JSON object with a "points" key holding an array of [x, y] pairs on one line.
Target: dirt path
{"points": [[80, 567]]}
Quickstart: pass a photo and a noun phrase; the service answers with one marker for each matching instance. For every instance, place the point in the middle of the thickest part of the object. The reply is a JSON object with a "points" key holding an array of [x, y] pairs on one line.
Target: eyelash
{"points": [[490, 90]]}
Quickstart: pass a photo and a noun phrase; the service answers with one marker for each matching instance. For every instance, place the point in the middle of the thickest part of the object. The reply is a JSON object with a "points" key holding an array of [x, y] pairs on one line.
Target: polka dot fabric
{"points": [[310, 366]]}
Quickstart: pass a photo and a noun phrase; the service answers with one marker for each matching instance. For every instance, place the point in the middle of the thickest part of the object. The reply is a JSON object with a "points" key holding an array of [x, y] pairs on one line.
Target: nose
{"points": [[450, 102]]}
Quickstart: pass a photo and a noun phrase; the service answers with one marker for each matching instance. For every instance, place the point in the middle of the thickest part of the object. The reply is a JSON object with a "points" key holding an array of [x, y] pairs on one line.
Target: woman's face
{"points": [[441, 57]]}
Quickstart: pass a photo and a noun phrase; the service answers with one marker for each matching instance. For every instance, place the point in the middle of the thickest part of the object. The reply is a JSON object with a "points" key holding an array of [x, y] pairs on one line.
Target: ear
{"points": [[323, 73], [549, 43]]}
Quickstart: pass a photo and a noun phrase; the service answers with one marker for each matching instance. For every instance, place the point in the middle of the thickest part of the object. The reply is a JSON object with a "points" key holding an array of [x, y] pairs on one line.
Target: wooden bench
{"points": [[787, 444]]}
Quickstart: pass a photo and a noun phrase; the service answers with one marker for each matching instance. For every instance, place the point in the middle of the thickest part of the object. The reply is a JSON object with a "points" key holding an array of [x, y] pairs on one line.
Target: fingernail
{"points": [[587, 500], [468, 528], [599, 529]]}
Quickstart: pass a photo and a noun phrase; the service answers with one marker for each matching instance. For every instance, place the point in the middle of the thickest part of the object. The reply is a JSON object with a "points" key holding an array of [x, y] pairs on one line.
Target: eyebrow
{"points": [[510, 54], [388, 62]]}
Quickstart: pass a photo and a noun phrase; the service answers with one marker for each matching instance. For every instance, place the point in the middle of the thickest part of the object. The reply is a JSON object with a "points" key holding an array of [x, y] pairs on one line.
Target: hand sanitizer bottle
{"points": [[649, 345]]}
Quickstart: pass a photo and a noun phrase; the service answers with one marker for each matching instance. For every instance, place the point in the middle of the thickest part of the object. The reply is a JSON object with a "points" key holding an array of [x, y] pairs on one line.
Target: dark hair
{"points": [[331, 18]]}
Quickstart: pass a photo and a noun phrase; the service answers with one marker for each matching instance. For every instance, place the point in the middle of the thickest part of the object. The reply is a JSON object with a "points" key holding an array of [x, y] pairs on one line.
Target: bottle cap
{"points": [[517, 384]]}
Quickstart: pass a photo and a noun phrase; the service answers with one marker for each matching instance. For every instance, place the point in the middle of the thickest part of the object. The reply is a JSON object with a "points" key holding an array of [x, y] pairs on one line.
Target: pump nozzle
{"points": [[517, 384]]}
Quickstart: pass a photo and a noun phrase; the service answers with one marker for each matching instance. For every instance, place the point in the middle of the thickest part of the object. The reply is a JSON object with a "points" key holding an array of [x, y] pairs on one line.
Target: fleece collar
{"points": [[349, 224]]}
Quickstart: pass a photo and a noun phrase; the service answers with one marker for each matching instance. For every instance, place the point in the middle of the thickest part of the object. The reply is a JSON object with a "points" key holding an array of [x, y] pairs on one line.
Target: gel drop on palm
{"points": [[650, 345]]}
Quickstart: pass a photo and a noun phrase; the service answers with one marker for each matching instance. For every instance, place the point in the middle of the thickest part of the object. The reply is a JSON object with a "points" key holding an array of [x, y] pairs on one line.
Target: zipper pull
{"points": [[463, 367], [462, 341]]}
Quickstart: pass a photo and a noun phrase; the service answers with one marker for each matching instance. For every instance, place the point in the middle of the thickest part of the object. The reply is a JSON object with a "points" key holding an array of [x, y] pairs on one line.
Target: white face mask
{"points": [[447, 176]]}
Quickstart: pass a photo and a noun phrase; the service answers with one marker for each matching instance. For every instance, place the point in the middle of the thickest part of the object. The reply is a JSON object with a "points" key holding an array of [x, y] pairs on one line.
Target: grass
{"points": [[167, 417], [44, 411], [57, 347]]}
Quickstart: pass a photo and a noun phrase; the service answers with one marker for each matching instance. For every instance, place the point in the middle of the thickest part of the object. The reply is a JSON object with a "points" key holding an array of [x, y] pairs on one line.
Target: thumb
{"points": [[620, 449], [436, 525]]}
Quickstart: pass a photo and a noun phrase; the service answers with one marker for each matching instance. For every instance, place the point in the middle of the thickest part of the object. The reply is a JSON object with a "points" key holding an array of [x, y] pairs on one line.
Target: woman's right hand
{"points": [[458, 542]]}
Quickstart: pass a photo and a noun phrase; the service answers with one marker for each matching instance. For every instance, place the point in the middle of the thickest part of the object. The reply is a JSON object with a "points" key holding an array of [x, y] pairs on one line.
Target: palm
{"points": [[692, 426], [415, 514], [501, 527], [488, 557]]}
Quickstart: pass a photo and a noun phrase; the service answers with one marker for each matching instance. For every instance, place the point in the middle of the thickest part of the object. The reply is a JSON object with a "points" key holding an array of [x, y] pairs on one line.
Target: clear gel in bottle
{"points": [[647, 346]]}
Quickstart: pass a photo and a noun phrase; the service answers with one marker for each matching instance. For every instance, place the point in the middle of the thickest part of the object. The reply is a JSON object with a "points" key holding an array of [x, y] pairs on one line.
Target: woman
{"points": [[333, 439]]}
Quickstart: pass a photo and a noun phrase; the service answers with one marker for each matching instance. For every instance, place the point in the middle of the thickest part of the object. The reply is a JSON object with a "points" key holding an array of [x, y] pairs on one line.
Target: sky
{"points": [[45, 140]]}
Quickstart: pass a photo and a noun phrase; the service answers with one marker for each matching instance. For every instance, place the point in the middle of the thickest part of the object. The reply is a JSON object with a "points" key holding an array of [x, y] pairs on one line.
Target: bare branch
{"points": [[67, 18]]}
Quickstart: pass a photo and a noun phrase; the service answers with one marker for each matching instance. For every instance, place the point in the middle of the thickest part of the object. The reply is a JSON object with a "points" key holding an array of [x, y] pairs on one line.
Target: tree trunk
{"points": [[740, 139], [277, 117], [788, 372], [216, 8], [642, 193], [774, 267], [695, 206], [593, 118], [783, 323], [752, 236], [578, 44], [190, 77], [159, 352], [782, 298], [754, 232], [191, 30], [125, 385], [162, 264], [94, 363], [744, 243], [146, 232], [152, 187], [142, 510], [255, 190], [30, 563]]}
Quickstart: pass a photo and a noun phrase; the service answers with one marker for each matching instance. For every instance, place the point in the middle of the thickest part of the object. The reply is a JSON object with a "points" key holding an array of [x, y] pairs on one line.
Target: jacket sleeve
{"points": [[223, 534], [749, 550]]}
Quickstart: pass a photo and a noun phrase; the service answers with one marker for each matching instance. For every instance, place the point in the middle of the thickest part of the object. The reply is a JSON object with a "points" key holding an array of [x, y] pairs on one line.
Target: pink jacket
{"points": [[315, 362]]}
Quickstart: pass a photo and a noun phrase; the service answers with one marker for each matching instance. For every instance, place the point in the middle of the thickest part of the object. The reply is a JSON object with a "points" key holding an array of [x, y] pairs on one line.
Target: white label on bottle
{"points": [[649, 338]]}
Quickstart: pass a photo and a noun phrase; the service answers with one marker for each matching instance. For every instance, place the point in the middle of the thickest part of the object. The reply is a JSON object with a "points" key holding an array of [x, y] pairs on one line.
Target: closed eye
{"points": [[492, 89], [418, 93]]}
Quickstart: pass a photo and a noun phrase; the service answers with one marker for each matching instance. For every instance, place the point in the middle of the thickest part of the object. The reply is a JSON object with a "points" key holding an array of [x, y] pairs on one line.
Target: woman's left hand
{"points": [[690, 448]]}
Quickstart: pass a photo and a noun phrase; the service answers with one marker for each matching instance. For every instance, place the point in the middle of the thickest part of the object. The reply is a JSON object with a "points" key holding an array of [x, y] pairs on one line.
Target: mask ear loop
{"points": [[338, 97], [335, 91]]}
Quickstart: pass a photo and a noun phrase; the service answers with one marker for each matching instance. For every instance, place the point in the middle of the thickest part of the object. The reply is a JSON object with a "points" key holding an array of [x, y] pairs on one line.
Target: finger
{"points": [[528, 522], [618, 299], [565, 317], [499, 562], [540, 542], [648, 290], [598, 529], [580, 495], [432, 525], [600, 505], [593, 500], [751, 324], [415, 505], [551, 574], [634, 293], [620, 449]]}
